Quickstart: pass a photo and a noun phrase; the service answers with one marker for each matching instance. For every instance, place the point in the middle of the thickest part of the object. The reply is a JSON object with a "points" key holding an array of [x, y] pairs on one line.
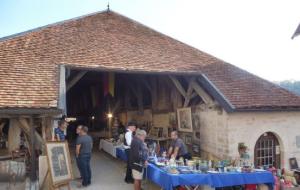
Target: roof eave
{"points": [[216, 93], [8, 112], [230, 108]]}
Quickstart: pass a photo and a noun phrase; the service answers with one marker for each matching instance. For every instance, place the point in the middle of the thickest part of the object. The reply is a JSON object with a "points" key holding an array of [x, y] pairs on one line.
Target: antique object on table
{"points": [[184, 169], [191, 164], [203, 166], [172, 170]]}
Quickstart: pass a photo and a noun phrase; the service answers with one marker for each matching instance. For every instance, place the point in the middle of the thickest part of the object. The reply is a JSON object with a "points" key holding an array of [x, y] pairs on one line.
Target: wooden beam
{"points": [[146, 84], [13, 135], [140, 98], [138, 93], [116, 106], [127, 99], [25, 126], [75, 79], [178, 86], [189, 93], [2, 124], [154, 92], [62, 104], [33, 176], [205, 97]]}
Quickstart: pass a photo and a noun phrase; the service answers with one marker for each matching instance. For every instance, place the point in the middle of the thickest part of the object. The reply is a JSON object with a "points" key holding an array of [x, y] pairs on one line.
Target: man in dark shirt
{"points": [[178, 148], [138, 157], [84, 145]]}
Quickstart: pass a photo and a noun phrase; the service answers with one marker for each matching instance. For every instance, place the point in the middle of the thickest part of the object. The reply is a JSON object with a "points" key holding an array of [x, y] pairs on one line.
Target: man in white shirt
{"points": [[131, 127]]}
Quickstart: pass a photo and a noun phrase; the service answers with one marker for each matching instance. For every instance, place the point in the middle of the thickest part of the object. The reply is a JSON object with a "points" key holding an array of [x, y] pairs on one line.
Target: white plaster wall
{"points": [[213, 131], [248, 127]]}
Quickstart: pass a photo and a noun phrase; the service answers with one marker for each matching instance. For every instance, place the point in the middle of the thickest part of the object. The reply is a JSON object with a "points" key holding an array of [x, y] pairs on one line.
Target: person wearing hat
{"points": [[131, 127]]}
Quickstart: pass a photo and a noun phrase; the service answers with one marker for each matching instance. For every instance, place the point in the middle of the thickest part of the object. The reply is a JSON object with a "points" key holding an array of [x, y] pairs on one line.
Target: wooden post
{"points": [[62, 104], [25, 126], [127, 99], [33, 176], [140, 99], [136, 88], [154, 92], [14, 132]]}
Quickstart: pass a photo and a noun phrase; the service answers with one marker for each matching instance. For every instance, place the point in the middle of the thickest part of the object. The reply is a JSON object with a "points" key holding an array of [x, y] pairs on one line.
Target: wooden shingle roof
{"points": [[29, 62]]}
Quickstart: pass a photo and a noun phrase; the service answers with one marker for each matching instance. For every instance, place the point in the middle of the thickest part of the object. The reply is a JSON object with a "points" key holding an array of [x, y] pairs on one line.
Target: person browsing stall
{"points": [[60, 130], [138, 157], [177, 148], [84, 145], [131, 127]]}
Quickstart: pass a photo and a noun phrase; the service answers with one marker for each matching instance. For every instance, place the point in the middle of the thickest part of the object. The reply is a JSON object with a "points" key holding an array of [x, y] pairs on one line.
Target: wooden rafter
{"points": [[75, 79], [205, 97], [189, 92], [178, 86]]}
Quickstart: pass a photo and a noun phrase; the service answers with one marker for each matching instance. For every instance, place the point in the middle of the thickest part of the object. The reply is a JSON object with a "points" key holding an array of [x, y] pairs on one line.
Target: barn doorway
{"points": [[267, 151]]}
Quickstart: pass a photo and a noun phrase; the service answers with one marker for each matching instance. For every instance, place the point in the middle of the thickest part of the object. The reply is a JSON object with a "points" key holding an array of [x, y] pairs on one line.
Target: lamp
{"points": [[109, 115]]}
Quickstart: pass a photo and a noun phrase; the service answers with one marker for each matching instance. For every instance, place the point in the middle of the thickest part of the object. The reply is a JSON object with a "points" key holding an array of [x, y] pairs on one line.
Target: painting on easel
{"points": [[59, 162]]}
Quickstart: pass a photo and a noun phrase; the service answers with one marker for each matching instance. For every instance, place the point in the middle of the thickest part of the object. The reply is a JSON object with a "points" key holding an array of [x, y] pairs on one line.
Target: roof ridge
{"points": [[19, 34]]}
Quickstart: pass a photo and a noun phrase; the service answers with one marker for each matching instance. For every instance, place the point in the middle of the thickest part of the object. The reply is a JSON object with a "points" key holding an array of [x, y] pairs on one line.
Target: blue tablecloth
{"points": [[168, 181], [120, 152]]}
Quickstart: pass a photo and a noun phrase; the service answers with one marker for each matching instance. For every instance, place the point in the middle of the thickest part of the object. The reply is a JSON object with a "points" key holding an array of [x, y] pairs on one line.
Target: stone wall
{"points": [[248, 127], [213, 132]]}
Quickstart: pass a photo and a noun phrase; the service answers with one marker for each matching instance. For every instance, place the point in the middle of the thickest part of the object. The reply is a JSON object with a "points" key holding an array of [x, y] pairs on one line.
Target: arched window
{"points": [[267, 151]]}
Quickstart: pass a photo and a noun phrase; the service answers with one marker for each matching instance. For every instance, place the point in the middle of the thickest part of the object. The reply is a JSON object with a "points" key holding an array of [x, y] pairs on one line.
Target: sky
{"points": [[254, 35]]}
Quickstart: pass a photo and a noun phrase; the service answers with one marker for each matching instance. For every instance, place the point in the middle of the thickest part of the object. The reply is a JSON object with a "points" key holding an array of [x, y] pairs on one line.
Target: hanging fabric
{"points": [[111, 79]]}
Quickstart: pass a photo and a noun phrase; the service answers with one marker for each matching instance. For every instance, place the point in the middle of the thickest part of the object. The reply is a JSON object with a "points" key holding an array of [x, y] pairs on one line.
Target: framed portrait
{"points": [[185, 120], [59, 162], [188, 139]]}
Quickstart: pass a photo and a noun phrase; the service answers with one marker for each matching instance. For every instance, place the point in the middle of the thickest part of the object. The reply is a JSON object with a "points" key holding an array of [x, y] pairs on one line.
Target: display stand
{"points": [[58, 187]]}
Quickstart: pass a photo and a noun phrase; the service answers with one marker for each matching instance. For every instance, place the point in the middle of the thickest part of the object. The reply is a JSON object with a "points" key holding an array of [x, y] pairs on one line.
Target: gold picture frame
{"points": [[59, 162], [184, 116]]}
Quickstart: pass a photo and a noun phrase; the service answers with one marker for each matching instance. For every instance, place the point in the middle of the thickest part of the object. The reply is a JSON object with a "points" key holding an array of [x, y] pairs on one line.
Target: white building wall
{"points": [[248, 127]]}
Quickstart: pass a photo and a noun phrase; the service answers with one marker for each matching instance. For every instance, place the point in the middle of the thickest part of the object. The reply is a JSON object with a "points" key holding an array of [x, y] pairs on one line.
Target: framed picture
{"points": [[196, 148], [196, 121], [184, 120], [59, 162], [188, 139], [293, 163]]}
